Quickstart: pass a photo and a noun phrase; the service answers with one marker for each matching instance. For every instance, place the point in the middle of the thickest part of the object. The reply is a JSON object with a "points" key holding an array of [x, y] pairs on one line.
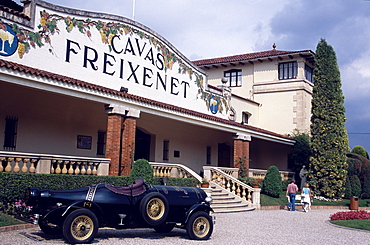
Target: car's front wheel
{"points": [[199, 226], [154, 208], [80, 226]]}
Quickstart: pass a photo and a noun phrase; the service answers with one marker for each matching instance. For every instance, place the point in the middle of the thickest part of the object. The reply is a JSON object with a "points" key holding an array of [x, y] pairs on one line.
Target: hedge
{"points": [[14, 185]]}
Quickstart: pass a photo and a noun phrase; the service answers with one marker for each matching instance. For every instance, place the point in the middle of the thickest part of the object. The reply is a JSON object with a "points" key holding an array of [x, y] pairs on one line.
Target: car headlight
{"points": [[208, 199]]}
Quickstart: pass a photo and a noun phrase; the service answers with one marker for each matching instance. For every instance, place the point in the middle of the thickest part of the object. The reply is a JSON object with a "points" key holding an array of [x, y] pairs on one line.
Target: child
{"points": [[306, 197]]}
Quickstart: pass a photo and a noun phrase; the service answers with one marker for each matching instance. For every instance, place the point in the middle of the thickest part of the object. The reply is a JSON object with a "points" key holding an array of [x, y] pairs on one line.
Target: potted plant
{"points": [[256, 183], [205, 183]]}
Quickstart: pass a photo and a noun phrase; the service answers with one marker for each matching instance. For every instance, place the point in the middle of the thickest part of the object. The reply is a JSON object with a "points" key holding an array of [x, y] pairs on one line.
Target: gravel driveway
{"points": [[254, 227]]}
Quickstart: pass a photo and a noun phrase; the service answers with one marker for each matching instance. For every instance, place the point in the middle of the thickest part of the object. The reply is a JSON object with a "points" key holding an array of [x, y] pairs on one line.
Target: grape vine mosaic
{"points": [[48, 27]]}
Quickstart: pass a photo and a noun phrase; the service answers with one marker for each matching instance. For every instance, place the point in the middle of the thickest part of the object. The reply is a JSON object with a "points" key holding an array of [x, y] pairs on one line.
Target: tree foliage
{"points": [[301, 151], [359, 150], [329, 141]]}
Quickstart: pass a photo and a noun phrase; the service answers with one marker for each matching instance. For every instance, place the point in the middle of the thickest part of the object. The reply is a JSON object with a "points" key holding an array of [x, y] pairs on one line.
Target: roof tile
{"points": [[69, 80], [247, 57]]}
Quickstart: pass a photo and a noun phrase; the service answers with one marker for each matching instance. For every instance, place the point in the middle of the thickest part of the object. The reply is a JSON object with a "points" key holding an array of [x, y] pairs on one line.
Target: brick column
{"points": [[128, 145], [113, 144], [241, 149], [121, 132], [238, 152]]}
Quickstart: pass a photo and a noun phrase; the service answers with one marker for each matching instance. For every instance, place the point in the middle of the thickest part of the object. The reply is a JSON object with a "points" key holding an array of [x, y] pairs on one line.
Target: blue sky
{"points": [[215, 28]]}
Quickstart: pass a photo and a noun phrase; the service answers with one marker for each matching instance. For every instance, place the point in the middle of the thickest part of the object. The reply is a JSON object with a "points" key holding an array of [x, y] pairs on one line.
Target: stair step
{"points": [[223, 198], [219, 194], [233, 210], [229, 202], [234, 205], [226, 202]]}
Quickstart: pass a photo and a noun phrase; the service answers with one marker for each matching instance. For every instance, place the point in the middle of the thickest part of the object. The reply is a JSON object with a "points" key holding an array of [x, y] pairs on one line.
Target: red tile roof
{"points": [[68, 80], [250, 56], [12, 11]]}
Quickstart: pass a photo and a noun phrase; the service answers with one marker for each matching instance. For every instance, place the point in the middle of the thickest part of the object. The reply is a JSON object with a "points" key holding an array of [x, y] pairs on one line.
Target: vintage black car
{"points": [[77, 214]]}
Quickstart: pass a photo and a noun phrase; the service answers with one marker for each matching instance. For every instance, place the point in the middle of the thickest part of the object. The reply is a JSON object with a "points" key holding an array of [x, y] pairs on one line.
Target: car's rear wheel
{"points": [[199, 226], [154, 208], [80, 226], [49, 227], [164, 228]]}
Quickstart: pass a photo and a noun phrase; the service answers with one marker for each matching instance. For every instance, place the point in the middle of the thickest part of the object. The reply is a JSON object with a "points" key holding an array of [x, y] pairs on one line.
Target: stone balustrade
{"points": [[18, 162], [261, 173], [173, 170], [235, 186], [253, 173]]}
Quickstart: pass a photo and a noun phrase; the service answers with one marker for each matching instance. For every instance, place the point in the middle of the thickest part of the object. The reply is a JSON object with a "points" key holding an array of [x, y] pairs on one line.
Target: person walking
{"points": [[291, 192], [306, 197]]}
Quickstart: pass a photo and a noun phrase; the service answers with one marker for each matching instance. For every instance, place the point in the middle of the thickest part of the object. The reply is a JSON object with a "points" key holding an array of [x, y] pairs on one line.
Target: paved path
{"points": [[255, 227]]}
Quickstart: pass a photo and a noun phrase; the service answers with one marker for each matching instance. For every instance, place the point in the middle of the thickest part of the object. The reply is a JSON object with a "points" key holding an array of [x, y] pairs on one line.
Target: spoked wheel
{"points": [[199, 226], [154, 208], [80, 226]]}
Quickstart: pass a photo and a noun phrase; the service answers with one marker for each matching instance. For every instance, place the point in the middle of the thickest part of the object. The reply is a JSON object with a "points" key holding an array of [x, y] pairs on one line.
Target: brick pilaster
{"points": [[113, 144], [241, 149], [128, 145]]}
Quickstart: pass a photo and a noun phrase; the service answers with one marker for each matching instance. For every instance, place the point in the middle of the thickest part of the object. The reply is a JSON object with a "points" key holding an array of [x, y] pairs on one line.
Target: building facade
{"points": [[271, 89], [79, 83]]}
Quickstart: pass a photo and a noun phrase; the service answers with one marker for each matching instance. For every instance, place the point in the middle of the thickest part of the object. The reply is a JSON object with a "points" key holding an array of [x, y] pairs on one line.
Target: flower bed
{"points": [[350, 215], [18, 209]]}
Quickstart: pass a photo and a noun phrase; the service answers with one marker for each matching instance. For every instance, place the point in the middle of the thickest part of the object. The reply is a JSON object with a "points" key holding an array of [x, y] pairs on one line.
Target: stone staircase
{"points": [[226, 202]]}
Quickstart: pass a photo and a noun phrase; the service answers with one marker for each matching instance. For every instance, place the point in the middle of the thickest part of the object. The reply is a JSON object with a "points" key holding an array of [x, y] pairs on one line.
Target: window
{"points": [[166, 145], [245, 117], [10, 139], [100, 150], [208, 161], [288, 70], [234, 77], [308, 73]]}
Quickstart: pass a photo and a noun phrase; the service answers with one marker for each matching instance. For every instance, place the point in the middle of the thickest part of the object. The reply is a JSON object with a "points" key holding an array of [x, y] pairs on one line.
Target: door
{"points": [[142, 145], [224, 155]]}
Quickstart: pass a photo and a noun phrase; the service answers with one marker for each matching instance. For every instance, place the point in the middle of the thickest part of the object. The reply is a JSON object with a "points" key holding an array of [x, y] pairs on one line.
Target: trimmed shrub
{"points": [[141, 169], [285, 184], [366, 183], [355, 185], [348, 190], [359, 150], [272, 184], [13, 185], [354, 166]]}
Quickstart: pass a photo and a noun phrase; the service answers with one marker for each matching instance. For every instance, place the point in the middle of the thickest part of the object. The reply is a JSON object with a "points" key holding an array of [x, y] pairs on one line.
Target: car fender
{"points": [[92, 206], [198, 207], [55, 214]]}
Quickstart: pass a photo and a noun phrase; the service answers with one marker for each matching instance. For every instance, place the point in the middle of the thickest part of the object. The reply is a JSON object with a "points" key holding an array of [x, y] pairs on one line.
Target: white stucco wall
{"points": [[190, 140], [49, 123]]}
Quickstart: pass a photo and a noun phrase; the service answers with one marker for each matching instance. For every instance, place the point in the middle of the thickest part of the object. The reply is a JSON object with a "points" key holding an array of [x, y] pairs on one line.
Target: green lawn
{"points": [[6, 220], [362, 224], [282, 201]]}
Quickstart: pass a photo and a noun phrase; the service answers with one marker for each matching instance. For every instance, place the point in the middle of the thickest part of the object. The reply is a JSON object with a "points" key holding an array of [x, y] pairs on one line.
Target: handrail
{"points": [[165, 169], [221, 172], [51, 156], [238, 188], [53, 164]]}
